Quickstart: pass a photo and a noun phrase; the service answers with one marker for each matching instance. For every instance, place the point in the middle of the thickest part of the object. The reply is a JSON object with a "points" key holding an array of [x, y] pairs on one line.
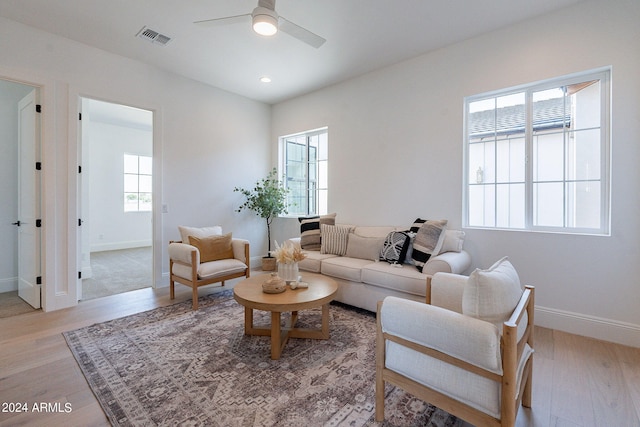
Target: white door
{"points": [[28, 202]]}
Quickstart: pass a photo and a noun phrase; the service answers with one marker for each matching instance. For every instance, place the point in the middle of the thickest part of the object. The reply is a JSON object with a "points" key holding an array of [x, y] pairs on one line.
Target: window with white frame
{"points": [[537, 156], [305, 159], [137, 183]]}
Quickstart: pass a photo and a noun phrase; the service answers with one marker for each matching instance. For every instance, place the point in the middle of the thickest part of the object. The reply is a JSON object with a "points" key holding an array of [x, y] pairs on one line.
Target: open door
{"points": [[28, 202]]}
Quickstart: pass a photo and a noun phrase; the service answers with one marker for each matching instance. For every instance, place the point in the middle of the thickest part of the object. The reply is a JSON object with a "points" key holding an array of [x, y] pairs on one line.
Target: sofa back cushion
{"points": [[364, 247], [374, 231]]}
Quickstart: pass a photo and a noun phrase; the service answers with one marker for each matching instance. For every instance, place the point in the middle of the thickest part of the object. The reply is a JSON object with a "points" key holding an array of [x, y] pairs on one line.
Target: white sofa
{"points": [[363, 280]]}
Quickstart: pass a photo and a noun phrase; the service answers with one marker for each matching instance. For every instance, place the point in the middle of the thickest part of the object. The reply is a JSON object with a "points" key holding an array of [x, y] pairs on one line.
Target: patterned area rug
{"points": [[173, 366]]}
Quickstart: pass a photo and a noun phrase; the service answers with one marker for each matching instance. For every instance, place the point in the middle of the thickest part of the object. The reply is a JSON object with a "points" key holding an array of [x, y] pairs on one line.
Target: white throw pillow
{"points": [[453, 241], [199, 233], [492, 295]]}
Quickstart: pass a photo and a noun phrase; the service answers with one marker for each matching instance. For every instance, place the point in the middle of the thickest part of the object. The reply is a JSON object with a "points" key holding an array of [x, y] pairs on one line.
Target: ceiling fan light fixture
{"points": [[265, 21]]}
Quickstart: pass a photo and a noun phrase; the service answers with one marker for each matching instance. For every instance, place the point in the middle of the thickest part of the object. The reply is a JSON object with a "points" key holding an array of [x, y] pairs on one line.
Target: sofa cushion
{"points": [[394, 248], [213, 248], [492, 294], [310, 236], [313, 261], [428, 242], [403, 278], [185, 232], [334, 239], [344, 268], [364, 247]]}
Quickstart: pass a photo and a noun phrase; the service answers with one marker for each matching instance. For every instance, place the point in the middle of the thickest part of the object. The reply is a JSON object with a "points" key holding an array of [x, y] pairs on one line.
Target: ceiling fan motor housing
{"points": [[265, 21]]}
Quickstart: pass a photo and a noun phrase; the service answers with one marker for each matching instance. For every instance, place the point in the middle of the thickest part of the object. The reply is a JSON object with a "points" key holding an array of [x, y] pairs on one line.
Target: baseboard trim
{"points": [[9, 284], [589, 326], [115, 246]]}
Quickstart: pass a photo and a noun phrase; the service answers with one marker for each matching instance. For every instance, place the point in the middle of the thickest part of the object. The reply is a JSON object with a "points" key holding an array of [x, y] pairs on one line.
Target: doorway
{"points": [[116, 233], [20, 280]]}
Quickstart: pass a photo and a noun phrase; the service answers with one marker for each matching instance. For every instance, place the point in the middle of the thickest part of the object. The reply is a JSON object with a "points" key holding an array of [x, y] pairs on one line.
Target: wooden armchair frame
{"points": [[511, 352], [195, 282]]}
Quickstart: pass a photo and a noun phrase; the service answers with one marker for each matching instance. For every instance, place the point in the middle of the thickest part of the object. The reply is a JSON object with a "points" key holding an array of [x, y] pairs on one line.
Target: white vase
{"points": [[288, 271]]}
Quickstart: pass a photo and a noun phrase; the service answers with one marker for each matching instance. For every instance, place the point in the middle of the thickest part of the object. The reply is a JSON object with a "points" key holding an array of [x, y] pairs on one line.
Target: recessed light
{"points": [[265, 79]]}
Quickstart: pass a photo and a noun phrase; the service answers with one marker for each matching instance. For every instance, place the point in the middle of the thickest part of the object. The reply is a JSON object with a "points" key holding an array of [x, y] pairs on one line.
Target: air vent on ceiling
{"points": [[153, 36]]}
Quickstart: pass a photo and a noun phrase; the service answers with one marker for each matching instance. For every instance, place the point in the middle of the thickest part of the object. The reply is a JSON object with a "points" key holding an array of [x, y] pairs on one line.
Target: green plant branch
{"points": [[267, 199]]}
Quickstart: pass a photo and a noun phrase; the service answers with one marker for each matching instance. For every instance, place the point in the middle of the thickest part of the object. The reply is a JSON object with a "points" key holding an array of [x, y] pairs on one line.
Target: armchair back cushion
{"points": [[491, 295], [185, 232], [213, 248]]}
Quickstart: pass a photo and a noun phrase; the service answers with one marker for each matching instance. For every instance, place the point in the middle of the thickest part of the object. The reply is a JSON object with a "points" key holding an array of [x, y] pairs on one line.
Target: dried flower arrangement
{"points": [[288, 253]]}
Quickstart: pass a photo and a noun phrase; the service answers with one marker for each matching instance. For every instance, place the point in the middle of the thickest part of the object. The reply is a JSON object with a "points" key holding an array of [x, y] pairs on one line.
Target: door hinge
{"points": [[38, 166], [79, 222], [38, 108], [79, 274], [79, 169], [38, 223], [79, 116], [39, 280]]}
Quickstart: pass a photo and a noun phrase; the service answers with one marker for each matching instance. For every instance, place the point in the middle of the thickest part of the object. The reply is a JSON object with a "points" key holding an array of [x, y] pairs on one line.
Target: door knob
{"points": [[16, 223]]}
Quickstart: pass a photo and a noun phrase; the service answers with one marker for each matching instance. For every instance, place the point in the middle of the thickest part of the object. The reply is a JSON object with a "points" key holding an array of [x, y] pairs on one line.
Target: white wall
{"points": [[206, 141], [108, 225], [395, 138]]}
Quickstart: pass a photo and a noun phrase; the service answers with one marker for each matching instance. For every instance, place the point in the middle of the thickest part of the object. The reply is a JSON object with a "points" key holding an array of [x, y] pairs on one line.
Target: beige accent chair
{"points": [[185, 266], [467, 351]]}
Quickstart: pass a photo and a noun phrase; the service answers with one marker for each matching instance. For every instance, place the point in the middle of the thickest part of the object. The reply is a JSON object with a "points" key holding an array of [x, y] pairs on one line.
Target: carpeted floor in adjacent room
{"points": [[118, 271]]}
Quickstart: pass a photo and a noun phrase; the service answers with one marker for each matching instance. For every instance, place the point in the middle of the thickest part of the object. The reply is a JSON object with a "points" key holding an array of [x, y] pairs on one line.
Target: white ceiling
{"points": [[362, 35]]}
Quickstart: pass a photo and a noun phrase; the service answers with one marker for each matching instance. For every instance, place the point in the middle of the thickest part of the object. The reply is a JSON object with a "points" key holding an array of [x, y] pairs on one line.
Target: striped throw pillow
{"points": [[428, 242], [334, 239], [310, 230]]}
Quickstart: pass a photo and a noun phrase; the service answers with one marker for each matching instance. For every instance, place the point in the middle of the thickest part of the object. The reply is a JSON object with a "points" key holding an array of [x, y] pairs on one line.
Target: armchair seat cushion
{"points": [[211, 269]]}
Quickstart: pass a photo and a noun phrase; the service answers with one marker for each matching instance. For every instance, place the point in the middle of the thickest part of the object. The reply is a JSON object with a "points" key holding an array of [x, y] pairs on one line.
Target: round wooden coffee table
{"points": [[320, 292]]}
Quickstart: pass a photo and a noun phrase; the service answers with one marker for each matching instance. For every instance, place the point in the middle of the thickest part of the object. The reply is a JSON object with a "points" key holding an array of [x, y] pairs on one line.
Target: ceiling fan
{"points": [[267, 22]]}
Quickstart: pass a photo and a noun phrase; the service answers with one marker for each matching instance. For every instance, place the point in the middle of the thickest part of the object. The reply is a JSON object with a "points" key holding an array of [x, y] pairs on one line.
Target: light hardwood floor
{"points": [[577, 381]]}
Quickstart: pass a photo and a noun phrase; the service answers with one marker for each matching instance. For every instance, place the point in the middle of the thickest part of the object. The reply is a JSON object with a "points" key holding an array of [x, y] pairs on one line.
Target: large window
{"points": [[305, 157], [137, 183], [537, 157]]}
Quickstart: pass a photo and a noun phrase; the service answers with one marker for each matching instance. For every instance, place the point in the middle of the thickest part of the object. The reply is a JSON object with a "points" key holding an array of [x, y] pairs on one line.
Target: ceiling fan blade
{"points": [[224, 21], [300, 33]]}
